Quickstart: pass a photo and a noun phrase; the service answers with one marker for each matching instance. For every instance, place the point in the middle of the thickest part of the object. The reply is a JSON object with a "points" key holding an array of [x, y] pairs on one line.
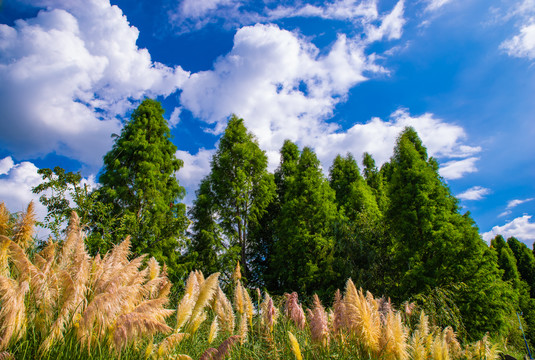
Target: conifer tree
{"points": [[525, 261], [139, 183], [303, 246], [434, 246], [357, 248], [232, 199]]}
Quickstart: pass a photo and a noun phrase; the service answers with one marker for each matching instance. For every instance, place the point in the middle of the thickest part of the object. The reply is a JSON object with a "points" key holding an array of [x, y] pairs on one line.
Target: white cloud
{"points": [[66, 74], [6, 164], [16, 187], [391, 26], [278, 82], [521, 228], [285, 89], [433, 5], [474, 193], [514, 203], [456, 169], [194, 15], [523, 44], [175, 117], [195, 168]]}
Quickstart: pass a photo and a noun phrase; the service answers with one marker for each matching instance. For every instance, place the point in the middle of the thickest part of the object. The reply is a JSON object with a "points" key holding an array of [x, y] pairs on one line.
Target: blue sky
{"points": [[339, 76]]}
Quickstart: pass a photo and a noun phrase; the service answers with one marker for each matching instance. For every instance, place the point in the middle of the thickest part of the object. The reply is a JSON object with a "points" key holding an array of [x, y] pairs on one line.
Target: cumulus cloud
{"points": [[474, 193], [285, 89], [67, 73], [521, 228], [195, 168], [17, 183]]}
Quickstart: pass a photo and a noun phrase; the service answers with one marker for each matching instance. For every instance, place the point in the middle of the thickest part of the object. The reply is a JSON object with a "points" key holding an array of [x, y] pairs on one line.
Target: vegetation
{"points": [[62, 303], [396, 231]]}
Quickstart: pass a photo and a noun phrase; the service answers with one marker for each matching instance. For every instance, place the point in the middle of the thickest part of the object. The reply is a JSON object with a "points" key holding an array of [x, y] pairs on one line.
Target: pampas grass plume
{"points": [[295, 346]]}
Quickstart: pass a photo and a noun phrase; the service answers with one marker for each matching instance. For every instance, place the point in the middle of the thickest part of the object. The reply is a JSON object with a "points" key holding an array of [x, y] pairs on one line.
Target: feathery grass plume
{"points": [[239, 303], [200, 277], [319, 326], [4, 355], [483, 349], [243, 329], [223, 309], [181, 357], [12, 311], [149, 349], [384, 306], [4, 219], [440, 348], [186, 304], [249, 307], [236, 275], [225, 347], [167, 344], [70, 243], [38, 281], [183, 312], [154, 307], [214, 328], [269, 313], [4, 256], [131, 326], [294, 311], [25, 226], [196, 321], [295, 346], [206, 293], [423, 325], [209, 354], [395, 337], [338, 312], [454, 346], [417, 348], [363, 317]]}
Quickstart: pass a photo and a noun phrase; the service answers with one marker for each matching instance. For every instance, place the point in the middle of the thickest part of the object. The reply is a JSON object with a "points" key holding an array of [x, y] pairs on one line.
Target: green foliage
{"points": [[303, 248], [231, 201], [60, 188], [435, 246], [140, 187], [525, 261]]}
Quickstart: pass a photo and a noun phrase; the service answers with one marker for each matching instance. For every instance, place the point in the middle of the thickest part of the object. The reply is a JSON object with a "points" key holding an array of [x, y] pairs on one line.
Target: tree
{"points": [[232, 199], [303, 247], [357, 244], [525, 261], [139, 183], [59, 188], [433, 245]]}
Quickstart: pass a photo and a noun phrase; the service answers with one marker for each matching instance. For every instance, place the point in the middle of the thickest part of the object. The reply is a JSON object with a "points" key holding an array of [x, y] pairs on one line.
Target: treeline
{"points": [[396, 230]]}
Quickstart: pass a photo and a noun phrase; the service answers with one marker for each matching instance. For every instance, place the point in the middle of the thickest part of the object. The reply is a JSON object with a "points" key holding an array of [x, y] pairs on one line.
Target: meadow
{"points": [[58, 302]]}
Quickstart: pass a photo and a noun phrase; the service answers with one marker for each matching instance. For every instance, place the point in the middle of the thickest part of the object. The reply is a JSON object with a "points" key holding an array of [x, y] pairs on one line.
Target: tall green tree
{"points": [[358, 247], [434, 246], [303, 248], [232, 199], [139, 182], [525, 261]]}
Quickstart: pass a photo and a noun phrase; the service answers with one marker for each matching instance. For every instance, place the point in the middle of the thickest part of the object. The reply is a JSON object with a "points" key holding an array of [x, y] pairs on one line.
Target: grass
{"points": [[60, 303]]}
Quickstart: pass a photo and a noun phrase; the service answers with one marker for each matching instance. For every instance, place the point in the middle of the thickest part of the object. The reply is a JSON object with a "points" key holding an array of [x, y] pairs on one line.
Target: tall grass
{"points": [[61, 303]]}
